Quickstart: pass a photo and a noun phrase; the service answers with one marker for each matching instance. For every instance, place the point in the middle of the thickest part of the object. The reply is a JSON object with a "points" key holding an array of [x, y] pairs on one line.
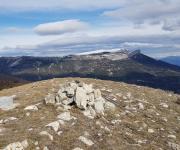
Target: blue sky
{"points": [[62, 27]]}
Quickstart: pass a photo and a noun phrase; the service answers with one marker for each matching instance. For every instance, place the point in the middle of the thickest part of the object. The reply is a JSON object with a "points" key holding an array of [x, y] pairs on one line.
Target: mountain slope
{"points": [[134, 68], [10, 81], [144, 118], [172, 60]]}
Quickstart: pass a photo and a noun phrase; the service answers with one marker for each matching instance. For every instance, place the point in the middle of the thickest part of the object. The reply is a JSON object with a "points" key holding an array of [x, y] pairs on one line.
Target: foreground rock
{"points": [[7, 102], [17, 146], [31, 108], [86, 141], [82, 96]]}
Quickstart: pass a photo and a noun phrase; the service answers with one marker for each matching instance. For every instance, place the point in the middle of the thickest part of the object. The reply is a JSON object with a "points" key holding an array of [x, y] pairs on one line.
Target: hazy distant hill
{"points": [[134, 68], [172, 60], [9, 81]]}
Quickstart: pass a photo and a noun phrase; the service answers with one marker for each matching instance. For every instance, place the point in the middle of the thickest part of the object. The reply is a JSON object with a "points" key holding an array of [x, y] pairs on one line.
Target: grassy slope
{"points": [[122, 136]]}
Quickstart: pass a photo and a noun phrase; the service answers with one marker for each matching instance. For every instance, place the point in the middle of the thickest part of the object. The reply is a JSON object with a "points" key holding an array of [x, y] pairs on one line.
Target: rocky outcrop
{"points": [[83, 96]]}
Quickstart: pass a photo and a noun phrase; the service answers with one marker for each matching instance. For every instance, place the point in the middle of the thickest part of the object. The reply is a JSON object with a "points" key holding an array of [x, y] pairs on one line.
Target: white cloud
{"points": [[166, 12], [26, 5], [78, 43], [61, 27]]}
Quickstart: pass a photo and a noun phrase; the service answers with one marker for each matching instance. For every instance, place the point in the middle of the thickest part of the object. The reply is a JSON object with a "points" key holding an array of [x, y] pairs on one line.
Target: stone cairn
{"points": [[83, 96]]}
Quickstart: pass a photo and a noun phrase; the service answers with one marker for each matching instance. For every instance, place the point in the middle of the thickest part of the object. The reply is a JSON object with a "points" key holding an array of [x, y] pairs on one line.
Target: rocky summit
{"points": [[83, 96], [88, 114]]}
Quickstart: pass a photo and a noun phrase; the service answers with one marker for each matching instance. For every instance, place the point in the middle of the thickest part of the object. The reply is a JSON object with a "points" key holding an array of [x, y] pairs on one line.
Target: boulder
{"points": [[99, 107], [91, 99], [101, 99], [97, 93], [61, 95], [88, 88], [69, 92], [73, 85], [57, 99], [68, 101], [81, 98], [50, 99]]}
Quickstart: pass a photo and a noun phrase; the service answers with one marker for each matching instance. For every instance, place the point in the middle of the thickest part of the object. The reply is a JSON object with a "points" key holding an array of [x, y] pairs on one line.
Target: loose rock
{"points": [[86, 141], [47, 134], [31, 108], [17, 146]]}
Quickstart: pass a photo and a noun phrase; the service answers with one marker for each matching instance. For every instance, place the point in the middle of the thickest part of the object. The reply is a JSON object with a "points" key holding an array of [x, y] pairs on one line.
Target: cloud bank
{"points": [[28, 5], [61, 27], [153, 26], [166, 12]]}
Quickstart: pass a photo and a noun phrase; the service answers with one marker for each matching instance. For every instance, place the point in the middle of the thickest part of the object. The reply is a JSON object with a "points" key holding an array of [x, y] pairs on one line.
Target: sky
{"points": [[63, 27]]}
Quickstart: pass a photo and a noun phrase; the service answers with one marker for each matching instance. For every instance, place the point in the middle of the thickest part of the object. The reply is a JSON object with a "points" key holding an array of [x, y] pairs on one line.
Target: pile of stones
{"points": [[82, 95]]}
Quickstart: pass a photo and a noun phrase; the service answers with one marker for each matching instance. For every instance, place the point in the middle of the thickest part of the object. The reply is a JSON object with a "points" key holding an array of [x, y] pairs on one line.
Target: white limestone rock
{"points": [[109, 106], [70, 92], [50, 99], [61, 95], [86, 141], [46, 134], [45, 148], [90, 113], [68, 101], [7, 102], [9, 119], [164, 105], [97, 93], [73, 85], [81, 98], [140, 106], [172, 136], [31, 108], [54, 125], [88, 88], [17, 146], [77, 148], [25, 143], [91, 99], [151, 131], [66, 116], [66, 107], [99, 107]]}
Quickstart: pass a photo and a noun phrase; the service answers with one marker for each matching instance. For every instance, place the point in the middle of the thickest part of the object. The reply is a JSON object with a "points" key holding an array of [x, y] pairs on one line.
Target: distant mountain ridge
{"points": [[175, 60], [130, 67]]}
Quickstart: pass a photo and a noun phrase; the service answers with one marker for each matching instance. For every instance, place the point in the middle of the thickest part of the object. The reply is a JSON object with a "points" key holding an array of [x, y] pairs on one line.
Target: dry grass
{"points": [[122, 136]]}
